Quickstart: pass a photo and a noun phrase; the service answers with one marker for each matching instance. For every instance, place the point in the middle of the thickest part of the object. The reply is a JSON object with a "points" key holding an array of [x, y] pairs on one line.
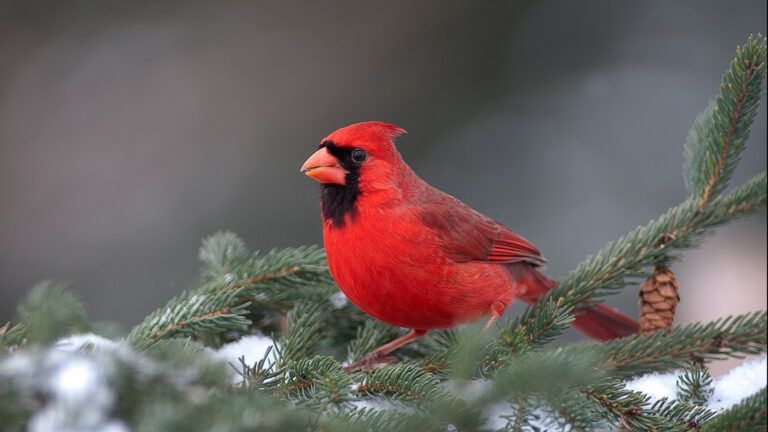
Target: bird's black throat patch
{"points": [[338, 201]]}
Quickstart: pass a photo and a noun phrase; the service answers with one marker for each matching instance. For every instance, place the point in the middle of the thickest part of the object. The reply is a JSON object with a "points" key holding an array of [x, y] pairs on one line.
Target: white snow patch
{"points": [[75, 379], [80, 394], [741, 382], [86, 341], [196, 301], [252, 348], [655, 385], [16, 365], [378, 404], [338, 300], [470, 390]]}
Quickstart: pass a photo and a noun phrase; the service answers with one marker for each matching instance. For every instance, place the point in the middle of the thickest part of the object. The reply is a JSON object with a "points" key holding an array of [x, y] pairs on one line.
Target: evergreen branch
{"points": [[402, 381], [749, 415], [15, 408], [729, 337], [680, 228], [442, 344], [231, 284], [260, 279], [370, 336], [517, 421], [719, 135], [221, 319], [260, 375], [570, 410], [553, 376], [613, 267], [221, 253], [742, 201], [12, 336], [318, 381], [239, 411], [689, 417], [629, 410], [375, 420], [49, 312], [542, 373], [695, 385], [306, 327], [193, 313], [713, 150], [534, 328], [620, 405], [408, 383]]}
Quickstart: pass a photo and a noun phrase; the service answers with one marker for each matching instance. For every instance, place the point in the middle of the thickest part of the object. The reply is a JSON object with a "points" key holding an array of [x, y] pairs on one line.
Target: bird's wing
{"points": [[468, 235]]}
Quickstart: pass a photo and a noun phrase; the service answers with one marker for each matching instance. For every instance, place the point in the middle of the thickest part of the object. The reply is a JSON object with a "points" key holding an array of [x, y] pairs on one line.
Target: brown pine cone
{"points": [[658, 300]]}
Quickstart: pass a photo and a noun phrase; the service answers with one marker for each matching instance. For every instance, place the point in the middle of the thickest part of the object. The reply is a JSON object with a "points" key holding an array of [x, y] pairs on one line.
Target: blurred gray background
{"points": [[130, 130]]}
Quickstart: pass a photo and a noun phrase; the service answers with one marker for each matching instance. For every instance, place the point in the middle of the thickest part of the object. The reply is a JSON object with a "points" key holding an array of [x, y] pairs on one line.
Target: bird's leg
{"points": [[380, 354], [402, 340], [497, 310]]}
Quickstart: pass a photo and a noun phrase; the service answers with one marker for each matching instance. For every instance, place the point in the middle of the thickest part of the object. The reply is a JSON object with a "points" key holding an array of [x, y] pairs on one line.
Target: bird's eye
{"points": [[359, 156]]}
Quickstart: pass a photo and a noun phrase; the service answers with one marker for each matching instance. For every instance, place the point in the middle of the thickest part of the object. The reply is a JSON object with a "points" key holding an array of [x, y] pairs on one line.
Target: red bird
{"points": [[415, 257]]}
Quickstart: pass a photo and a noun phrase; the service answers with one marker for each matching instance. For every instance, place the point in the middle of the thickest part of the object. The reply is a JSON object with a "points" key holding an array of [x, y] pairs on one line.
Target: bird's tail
{"points": [[600, 321]]}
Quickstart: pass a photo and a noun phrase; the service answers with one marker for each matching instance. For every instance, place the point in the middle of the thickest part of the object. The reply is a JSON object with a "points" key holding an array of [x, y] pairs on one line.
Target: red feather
{"points": [[471, 236]]}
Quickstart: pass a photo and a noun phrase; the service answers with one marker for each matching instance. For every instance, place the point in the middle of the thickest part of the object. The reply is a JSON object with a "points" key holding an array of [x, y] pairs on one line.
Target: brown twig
{"points": [[260, 278], [175, 326], [381, 388]]}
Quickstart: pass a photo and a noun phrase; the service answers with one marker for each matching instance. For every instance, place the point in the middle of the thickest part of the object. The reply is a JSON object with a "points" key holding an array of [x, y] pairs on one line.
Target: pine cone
{"points": [[658, 300]]}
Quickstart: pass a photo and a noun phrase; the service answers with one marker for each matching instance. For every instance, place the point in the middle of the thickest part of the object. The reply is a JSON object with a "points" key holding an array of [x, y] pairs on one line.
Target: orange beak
{"points": [[324, 167]]}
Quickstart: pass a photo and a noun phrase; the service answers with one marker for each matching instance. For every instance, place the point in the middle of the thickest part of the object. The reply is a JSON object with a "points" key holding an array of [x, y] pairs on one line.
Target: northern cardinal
{"points": [[415, 257]]}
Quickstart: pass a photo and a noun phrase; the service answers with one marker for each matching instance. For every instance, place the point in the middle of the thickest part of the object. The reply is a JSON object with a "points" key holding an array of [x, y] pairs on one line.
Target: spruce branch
{"points": [[627, 259], [572, 410], [725, 337], [576, 388], [749, 415], [712, 152], [632, 411], [421, 390], [260, 375], [48, 313], [318, 381], [719, 135], [519, 419], [533, 329], [371, 335], [221, 253], [684, 227], [694, 385], [12, 336], [232, 286], [306, 327], [402, 381], [375, 420], [192, 314]]}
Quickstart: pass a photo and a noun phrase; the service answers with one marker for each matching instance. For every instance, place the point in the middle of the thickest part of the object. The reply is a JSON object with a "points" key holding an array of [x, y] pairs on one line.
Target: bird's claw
{"points": [[375, 359]]}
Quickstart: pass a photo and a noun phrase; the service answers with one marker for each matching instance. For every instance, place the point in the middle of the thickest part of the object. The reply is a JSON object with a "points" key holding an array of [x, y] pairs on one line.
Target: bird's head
{"points": [[360, 156]]}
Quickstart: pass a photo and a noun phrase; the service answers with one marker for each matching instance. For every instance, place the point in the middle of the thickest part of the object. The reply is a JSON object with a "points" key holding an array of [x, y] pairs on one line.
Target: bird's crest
{"points": [[372, 131]]}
